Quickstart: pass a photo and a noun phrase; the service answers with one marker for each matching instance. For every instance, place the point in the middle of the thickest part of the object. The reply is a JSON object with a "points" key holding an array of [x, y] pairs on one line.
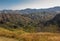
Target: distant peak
{"points": [[57, 7]]}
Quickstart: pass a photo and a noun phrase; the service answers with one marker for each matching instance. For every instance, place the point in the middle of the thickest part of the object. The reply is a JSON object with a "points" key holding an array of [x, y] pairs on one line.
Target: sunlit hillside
{"points": [[6, 35]]}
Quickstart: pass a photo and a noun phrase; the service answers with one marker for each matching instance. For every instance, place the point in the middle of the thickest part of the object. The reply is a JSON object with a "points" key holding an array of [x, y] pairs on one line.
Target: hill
{"points": [[30, 20], [30, 25]]}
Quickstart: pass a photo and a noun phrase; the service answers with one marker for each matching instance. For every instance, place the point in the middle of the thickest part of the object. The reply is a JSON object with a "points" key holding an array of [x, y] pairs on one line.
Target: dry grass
{"points": [[40, 37], [7, 39], [23, 36]]}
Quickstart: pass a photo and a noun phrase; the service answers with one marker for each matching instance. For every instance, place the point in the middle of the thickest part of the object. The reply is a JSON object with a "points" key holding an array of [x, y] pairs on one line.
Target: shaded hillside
{"points": [[55, 20], [13, 19]]}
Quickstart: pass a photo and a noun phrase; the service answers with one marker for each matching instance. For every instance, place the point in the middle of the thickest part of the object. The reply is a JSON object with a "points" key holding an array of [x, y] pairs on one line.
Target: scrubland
{"points": [[20, 35]]}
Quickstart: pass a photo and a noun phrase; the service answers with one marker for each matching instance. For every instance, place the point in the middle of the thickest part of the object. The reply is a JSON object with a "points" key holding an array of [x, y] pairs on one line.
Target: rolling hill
{"points": [[34, 19]]}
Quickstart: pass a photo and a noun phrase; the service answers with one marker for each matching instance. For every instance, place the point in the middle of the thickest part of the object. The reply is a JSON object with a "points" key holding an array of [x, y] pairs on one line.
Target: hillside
{"points": [[32, 22], [25, 21], [30, 25]]}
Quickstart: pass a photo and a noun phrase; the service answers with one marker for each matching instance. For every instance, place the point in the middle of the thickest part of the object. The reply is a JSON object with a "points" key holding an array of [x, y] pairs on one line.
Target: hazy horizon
{"points": [[23, 4]]}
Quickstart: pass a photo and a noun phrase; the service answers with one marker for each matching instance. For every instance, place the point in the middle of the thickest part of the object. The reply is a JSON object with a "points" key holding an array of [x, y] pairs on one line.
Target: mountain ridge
{"points": [[28, 10]]}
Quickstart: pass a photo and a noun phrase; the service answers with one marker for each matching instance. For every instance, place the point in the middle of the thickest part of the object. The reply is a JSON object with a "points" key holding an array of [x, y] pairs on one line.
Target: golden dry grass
{"points": [[7, 39], [40, 37], [23, 36]]}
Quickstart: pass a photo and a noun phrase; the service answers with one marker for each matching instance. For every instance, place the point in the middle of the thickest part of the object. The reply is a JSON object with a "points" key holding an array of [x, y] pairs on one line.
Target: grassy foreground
{"points": [[7, 39], [20, 35]]}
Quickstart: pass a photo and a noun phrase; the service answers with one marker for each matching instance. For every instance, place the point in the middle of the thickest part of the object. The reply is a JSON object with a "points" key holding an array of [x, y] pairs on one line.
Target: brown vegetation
{"points": [[23, 36]]}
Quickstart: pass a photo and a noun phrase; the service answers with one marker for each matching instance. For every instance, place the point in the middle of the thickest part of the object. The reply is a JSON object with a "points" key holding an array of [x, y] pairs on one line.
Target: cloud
{"points": [[37, 4], [31, 4]]}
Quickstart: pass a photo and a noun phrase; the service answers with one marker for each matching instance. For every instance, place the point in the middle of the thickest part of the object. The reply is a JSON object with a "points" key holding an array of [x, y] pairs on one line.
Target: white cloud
{"points": [[37, 4]]}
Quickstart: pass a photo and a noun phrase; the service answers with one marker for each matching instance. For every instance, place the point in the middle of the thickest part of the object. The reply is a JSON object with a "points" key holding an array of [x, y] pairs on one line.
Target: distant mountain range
{"points": [[28, 10]]}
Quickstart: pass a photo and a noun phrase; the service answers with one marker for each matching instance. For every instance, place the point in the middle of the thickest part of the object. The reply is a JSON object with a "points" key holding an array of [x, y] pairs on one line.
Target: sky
{"points": [[23, 4]]}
